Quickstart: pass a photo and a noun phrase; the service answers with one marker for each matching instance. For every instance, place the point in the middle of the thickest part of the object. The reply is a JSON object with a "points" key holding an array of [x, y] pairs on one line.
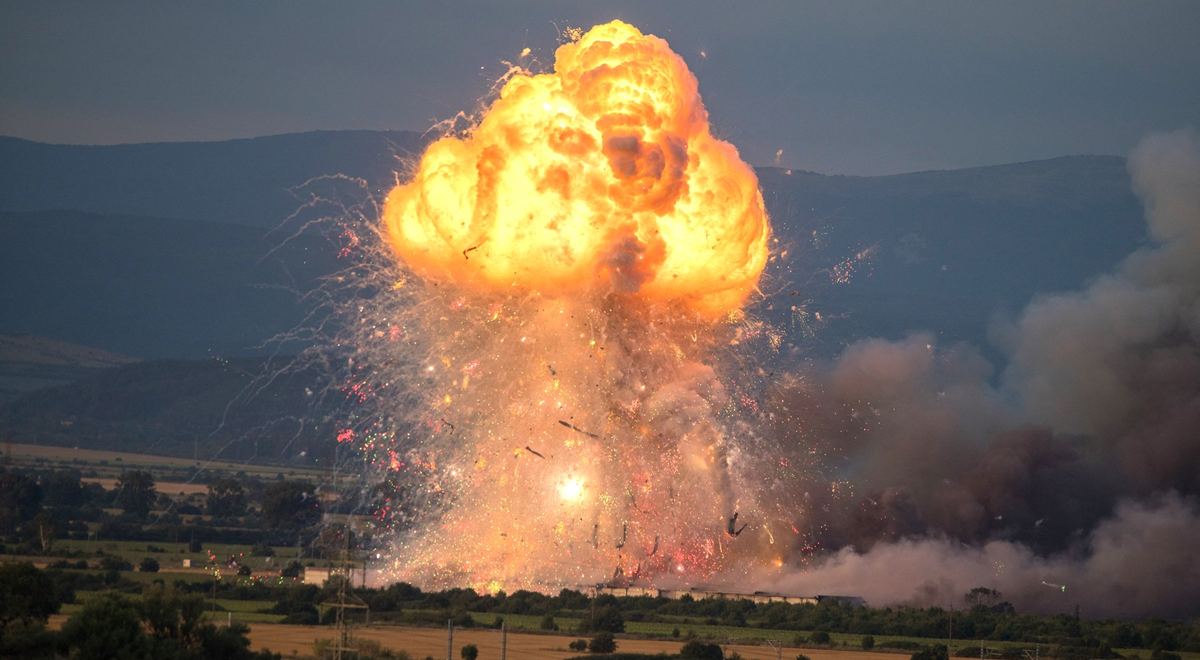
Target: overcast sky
{"points": [[841, 86]]}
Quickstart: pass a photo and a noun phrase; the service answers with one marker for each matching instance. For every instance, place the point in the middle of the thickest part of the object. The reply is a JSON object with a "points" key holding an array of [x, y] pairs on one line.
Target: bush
{"points": [[820, 637], [801, 656], [868, 642], [262, 550], [148, 565], [695, 650], [578, 645], [675, 632], [111, 563], [935, 652], [470, 652], [602, 642], [548, 623]]}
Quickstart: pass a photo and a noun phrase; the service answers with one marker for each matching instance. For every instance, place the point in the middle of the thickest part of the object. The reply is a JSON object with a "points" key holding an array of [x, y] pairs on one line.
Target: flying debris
{"points": [[552, 371], [621, 543], [596, 536], [443, 420], [654, 550], [476, 247], [577, 429], [1060, 587], [534, 452], [729, 529]]}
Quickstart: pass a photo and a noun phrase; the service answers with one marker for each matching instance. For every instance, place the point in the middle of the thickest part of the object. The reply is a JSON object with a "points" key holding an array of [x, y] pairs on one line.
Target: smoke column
{"points": [[1079, 466], [559, 357]]}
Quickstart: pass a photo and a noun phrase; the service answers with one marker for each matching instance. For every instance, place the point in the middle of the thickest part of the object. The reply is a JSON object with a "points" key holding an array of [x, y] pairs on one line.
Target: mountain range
{"points": [[200, 250]]}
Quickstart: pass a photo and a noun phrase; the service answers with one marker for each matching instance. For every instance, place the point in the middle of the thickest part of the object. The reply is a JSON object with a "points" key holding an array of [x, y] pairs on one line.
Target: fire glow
{"points": [[581, 256]]}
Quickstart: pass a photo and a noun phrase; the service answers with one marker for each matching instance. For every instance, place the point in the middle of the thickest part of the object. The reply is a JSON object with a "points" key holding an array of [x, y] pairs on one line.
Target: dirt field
{"points": [[421, 642], [164, 487], [124, 460]]}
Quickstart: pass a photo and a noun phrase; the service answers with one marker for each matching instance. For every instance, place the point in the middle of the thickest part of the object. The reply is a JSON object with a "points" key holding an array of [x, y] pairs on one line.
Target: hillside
{"points": [[942, 251], [29, 363], [207, 409], [244, 182], [153, 288]]}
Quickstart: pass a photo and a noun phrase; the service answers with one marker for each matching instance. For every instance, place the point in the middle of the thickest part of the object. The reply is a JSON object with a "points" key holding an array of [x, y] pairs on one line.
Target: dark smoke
{"points": [[1081, 467]]}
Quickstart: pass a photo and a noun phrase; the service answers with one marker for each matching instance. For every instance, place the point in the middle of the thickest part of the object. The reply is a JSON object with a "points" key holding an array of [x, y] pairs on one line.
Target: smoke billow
{"points": [[1080, 468]]}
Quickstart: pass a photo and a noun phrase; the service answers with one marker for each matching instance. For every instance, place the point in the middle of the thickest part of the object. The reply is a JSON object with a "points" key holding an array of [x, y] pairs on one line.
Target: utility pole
{"points": [[344, 646], [503, 640], [449, 639]]}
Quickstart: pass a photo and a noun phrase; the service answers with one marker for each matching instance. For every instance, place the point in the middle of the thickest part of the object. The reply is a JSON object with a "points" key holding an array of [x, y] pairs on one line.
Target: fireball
{"points": [[602, 175]]}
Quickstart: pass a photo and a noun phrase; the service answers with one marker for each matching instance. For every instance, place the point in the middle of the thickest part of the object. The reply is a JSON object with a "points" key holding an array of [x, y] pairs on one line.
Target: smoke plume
{"points": [[1080, 468]]}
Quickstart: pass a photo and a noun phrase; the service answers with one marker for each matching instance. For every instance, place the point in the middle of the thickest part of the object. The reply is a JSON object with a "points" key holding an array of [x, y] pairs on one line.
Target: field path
{"points": [[421, 642]]}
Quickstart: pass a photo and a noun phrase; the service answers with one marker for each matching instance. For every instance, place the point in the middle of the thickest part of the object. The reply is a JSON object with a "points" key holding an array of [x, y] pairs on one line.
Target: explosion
{"points": [[567, 370], [602, 174]]}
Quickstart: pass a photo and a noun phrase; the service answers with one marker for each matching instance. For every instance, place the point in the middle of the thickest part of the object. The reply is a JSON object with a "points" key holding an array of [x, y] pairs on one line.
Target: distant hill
{"points": [[948, 249], [236, 181], [944, 250], [215, 409], [165, 251], [29, 363], [153, 288]]}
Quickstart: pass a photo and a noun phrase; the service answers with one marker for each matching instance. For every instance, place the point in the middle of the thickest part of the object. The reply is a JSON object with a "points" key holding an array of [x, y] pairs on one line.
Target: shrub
{"points": [[696, 650], [111, 563], [801, 656], [602, 642], [935, 652], [820, 637], [470, 652], [148, 565], [675, 632], [578, 645], [548, 623], [868, 642]]}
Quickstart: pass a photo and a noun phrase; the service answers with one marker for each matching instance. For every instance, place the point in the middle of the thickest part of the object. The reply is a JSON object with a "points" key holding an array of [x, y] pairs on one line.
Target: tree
{"points": [[108, 628], [148, 565], [602, 642], [981, 596], [697, 650], [470, 652], [290, 505], [42, 529], [226, 497], [26, 595], [607, 618], [20, 499], [65, 489], [868, 642], [135, 492]]}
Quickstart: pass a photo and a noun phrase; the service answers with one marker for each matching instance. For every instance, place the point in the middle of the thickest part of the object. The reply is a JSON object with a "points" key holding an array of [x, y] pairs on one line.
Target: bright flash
{"points": [[572, 490]]}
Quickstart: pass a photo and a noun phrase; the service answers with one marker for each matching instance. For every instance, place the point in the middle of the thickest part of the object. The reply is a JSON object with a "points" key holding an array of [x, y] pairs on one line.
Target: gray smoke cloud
{"points": [[1078, 464]]}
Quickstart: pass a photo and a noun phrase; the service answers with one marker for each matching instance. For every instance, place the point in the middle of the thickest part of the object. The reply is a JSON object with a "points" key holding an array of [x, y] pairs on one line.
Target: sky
{"points": [[841, 87]]}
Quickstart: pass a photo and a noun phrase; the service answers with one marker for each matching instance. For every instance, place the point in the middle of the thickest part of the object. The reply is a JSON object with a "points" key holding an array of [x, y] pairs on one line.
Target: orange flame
{"points": [[600, 176]]}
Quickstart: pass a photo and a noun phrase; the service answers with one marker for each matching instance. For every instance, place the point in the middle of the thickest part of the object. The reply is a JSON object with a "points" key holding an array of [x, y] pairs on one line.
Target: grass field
{"points": [[78, 457], [175, 553]]}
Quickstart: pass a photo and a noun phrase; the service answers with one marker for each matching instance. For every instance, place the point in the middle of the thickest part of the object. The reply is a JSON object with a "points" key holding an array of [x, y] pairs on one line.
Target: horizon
{"points": [[400, 130]]}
